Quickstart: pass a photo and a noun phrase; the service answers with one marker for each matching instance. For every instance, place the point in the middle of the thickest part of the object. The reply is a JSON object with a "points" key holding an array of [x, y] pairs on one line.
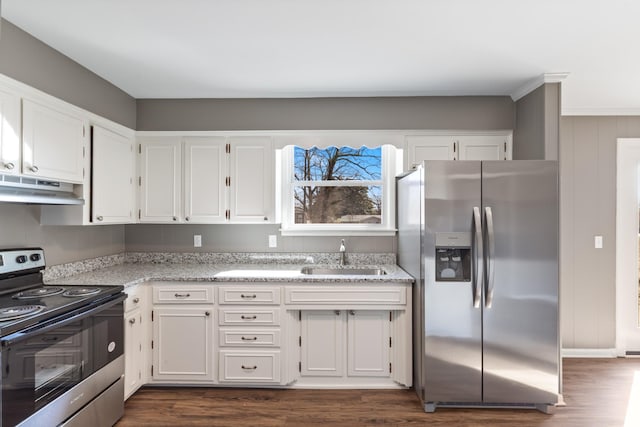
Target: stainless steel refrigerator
{"points": [[481, 239]]}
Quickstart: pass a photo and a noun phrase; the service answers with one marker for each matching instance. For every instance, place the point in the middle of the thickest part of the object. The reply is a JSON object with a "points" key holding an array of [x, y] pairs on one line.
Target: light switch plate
{"points": [[597, 242], [273, 241], [197, 241]]}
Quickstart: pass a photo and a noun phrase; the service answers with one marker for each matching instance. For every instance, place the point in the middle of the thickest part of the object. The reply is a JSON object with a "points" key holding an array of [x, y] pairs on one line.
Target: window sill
{"points": [[336, 232]]}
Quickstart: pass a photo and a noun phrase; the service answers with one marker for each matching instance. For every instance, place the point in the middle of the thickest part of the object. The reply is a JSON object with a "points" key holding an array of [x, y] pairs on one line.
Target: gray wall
{"points": [[27, 59], [240, 238], [588, 208], [462, 112], [536, 135], [20, 227]]}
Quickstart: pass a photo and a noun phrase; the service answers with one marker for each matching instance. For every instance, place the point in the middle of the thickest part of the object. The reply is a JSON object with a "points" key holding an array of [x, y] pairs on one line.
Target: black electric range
{"points": [[25, 300]]}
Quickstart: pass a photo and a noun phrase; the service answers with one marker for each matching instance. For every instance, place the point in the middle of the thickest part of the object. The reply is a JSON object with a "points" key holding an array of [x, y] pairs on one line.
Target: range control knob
{"points": [[34, 257], [21, 259]]}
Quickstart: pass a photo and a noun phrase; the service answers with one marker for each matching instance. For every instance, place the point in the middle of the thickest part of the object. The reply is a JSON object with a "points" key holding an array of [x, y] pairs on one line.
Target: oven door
{"points": [[43, 362]]}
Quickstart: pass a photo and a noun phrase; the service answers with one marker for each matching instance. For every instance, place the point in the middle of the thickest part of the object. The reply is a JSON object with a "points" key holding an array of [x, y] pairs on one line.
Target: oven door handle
{"points": [[62, 320]]}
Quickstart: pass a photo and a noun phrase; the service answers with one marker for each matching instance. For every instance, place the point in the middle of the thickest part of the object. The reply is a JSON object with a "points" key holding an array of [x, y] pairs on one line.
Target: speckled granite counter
{"points": [[130, 273]]}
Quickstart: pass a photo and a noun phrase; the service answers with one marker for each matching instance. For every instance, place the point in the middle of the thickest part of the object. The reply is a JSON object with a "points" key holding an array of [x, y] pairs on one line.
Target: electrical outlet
{"points": [[273, 241], [597, 242], [197, 241]]}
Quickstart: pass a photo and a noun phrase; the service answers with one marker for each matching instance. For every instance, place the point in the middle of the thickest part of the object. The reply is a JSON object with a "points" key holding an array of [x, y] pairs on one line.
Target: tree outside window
{"points": [[338, 185]]}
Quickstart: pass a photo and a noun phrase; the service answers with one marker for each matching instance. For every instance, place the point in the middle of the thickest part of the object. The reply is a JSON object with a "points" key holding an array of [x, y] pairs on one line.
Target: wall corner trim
{"points": [[590, 352], [531, 85]]}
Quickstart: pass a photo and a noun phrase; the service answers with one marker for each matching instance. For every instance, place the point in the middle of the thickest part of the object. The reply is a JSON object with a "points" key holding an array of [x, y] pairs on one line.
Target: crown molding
{"points": [[532, 85]]}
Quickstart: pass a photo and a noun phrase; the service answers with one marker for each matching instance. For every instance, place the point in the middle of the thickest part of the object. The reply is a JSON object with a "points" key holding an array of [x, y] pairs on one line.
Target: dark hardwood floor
{"points": [[596, 392]]}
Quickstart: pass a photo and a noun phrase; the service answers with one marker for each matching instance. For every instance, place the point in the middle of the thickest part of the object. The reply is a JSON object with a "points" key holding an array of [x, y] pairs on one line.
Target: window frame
{"points": [[389, 169]]}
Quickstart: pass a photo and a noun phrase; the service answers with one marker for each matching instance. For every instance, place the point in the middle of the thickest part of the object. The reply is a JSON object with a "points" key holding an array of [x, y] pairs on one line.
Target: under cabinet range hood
{"points": [[22, 189]]}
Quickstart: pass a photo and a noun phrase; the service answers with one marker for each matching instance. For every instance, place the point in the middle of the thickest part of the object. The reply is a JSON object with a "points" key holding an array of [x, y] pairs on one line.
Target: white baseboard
{"points": [[589, 352]]}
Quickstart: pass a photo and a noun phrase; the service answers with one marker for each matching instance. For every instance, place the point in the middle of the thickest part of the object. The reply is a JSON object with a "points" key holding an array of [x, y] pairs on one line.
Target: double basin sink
{"points": [[324, 271]]}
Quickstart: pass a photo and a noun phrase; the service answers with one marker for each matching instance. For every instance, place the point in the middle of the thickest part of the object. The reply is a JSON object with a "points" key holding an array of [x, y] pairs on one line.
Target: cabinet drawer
{"points": [[346, 295], [135, 298], [249, 295], [249, 316], [186, 295], [235, 337], [249, 367]]}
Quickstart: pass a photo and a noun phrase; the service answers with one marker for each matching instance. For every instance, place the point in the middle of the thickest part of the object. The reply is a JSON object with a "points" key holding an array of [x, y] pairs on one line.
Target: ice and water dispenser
{"points": [[453, 257]]}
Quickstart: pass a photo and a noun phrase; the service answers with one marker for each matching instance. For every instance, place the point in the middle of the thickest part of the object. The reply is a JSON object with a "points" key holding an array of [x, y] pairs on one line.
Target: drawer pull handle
{"points": [[243, 317], [249, 339], [252, 296], [252, 368], [136, 300], [182, 295]]}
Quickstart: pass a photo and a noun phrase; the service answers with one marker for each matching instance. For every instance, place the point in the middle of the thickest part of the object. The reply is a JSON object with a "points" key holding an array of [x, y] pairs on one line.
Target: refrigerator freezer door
{"points": [[520, 352], [451, 325]]}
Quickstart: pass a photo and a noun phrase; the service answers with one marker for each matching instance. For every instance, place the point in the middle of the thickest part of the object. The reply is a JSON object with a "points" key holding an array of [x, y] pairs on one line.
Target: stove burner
{"points": [[80, 292], [19, 311], [44, 291]]}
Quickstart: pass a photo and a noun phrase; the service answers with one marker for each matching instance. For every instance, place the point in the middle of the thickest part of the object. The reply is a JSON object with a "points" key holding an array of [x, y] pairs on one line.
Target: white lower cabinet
{"points": [[183, 344], [299, 336], [331, 339], [133, 352], [135, 339]]}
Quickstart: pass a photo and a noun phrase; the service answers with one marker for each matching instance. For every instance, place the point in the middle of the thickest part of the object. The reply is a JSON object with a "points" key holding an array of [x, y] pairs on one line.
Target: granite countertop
{"points": [[129, 274]]}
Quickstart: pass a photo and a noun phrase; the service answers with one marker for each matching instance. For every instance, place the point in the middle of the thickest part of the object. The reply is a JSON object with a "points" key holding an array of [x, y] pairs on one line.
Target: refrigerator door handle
{"points": [[490, 252], [478, 263]]}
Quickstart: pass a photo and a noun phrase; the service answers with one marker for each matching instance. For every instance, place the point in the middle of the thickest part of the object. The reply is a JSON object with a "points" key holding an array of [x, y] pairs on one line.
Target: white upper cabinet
{"points": [[113, 165], [205, 171], [212, 179], [160, 175], [427, 147], [457, 147], [9, 133], [53, 143], [483, 147], [252, 178]]}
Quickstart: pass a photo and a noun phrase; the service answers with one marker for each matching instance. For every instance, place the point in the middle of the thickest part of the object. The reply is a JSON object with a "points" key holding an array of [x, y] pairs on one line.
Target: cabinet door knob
{"points": [[337, 312], [351, 312], [266, 218], [34, 169], [206, 313], [186, 219], [99, 218], [136, 300], [175, 218], [132, 321], [9, 165]]}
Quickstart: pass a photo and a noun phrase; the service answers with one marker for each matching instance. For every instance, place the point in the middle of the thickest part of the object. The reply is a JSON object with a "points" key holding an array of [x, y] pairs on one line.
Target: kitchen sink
{"points": [[343, 271]]}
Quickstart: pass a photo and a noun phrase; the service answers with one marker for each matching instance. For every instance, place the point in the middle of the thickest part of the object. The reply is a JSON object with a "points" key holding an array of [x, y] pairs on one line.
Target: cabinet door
{"points": [[368, 349], [252, 197], [133, 352], [205, 170], [183, 344], [52, 143], [9, 133], [322, 347], [428, 147], [483, 147], [112, 170], [160, 167]]}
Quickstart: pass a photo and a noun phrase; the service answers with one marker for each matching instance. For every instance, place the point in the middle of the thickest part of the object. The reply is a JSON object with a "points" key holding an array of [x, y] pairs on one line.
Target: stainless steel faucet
{"points": [[343, 250]]}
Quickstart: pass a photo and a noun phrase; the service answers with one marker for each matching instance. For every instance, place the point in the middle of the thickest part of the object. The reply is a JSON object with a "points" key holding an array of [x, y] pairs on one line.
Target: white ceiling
{"points": [[319, 48]]}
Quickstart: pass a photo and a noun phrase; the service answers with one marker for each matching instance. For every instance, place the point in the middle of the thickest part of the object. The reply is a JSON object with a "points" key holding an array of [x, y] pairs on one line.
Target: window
{"points": [[338, 190]]}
